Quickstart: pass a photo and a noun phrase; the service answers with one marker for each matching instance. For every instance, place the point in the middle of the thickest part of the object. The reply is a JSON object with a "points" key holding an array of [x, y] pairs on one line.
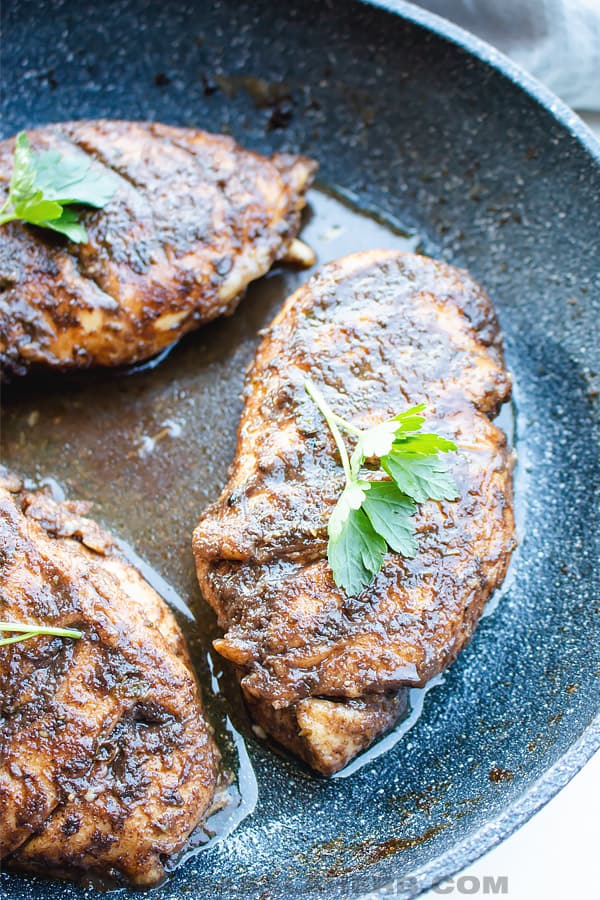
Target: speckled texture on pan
{"points": [[430, 131]]}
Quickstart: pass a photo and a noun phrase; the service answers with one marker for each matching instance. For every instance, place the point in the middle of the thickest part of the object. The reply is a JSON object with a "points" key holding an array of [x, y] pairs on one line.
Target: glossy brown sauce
{"points": [[151, 447]]}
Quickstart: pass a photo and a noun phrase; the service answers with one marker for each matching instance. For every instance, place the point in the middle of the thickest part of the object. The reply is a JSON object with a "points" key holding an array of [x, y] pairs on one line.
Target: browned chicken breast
{"points": [[106, 760], [194, 219], [378, 331]]}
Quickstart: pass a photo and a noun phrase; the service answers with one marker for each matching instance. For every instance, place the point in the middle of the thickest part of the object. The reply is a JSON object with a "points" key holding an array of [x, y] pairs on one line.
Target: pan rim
{"points": [[554, 779], [486, 53]]}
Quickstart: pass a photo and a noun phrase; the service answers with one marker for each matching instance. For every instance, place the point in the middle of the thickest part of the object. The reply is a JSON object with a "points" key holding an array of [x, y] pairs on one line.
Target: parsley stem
{"points": [[348, 426], [331, 418], [23, 632], [19, 637]]}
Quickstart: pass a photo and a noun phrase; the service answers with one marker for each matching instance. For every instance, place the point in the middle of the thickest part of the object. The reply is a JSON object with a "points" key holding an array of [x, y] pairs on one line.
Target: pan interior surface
{"points": [[460, 162]]}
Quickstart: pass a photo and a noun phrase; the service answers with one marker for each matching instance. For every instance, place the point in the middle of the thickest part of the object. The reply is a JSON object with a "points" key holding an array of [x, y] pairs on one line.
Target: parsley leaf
{"points": [[356, 554], [378, 440], [43, 185], [390, 513], [421, 477], [73, 179], [351, 498], [372, 515], [69, 225], [23, 173], [425, 444]]}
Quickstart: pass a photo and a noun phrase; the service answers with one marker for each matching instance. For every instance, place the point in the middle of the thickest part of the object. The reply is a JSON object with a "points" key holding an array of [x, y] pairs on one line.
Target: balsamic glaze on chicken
{"points": [[195, 218], [107, 762], [378, 331]]}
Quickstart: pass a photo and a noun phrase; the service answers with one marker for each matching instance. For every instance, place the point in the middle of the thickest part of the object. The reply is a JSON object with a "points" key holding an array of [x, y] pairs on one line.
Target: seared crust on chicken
{"points": [[195, 218], [107, 762], [378, 332]]}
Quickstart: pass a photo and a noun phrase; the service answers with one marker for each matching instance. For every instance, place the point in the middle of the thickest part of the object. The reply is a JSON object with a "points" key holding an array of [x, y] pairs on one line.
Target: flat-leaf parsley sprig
{"points": [[372, 515], [43, 186], [22, 632]]}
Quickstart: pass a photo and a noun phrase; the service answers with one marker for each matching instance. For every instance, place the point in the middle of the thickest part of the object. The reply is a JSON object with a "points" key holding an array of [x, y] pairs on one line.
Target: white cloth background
{"points": [[558, 41]]}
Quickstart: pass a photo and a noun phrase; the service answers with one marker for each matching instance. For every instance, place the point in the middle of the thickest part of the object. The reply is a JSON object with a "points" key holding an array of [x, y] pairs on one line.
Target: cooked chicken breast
{"points": [[107, 762], [194, 220], [377, 331]]}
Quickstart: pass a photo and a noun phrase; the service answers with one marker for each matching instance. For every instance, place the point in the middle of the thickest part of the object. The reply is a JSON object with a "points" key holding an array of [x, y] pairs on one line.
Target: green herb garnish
{"points": [[23, 632], [372, 515], [43, 186]]}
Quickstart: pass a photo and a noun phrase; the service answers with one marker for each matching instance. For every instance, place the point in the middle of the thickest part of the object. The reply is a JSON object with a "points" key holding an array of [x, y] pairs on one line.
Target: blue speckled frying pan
{"points": [[426, 125]]}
